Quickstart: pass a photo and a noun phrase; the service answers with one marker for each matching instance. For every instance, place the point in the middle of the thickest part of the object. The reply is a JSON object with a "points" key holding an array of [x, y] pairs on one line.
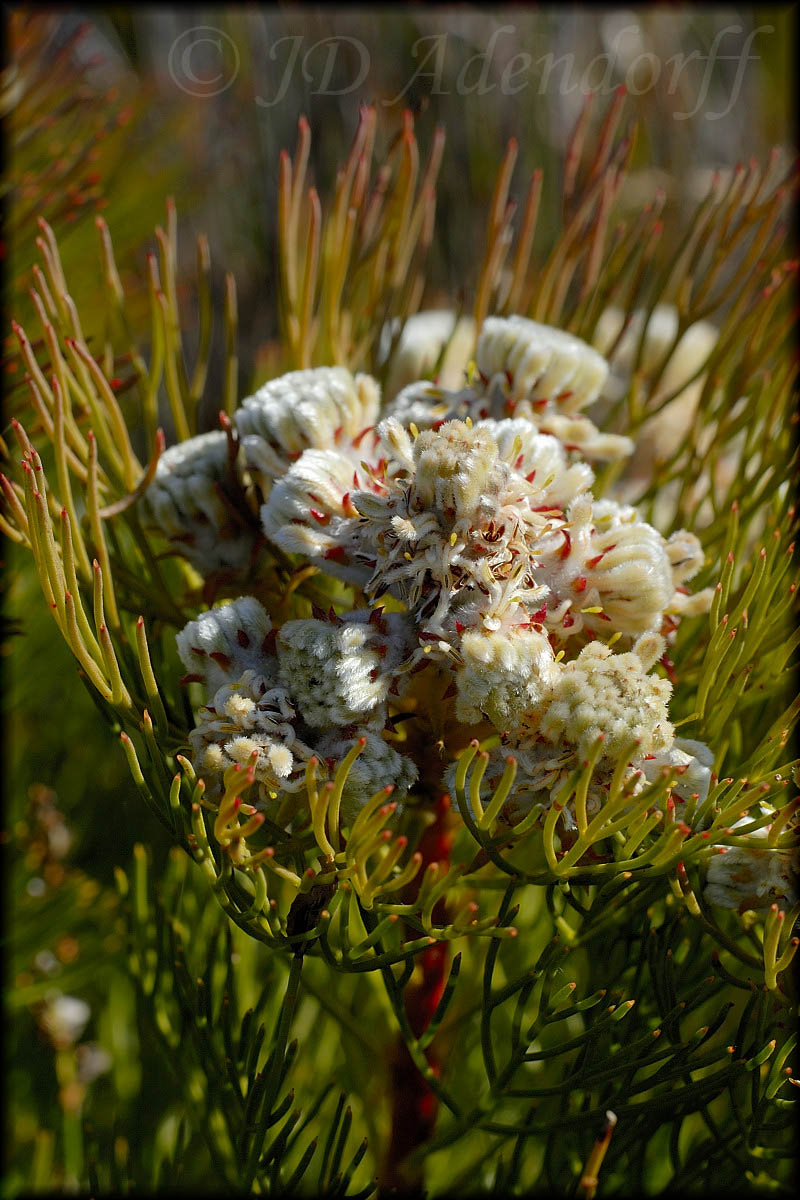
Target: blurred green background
{"points": [[111, 110]]}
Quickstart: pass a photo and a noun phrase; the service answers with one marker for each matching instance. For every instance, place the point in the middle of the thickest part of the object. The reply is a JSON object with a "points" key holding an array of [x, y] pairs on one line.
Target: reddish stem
{"points": [[414, 1104]]}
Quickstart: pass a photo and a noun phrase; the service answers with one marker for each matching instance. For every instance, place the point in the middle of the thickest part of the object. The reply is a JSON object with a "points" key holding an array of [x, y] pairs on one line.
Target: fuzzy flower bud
{"points": [[621, 566], [326, 409], [454, 466], [245, 717], [529, 362], [610, 694], [526, 370], [226, 641], [195, 502], [504, 676], [308, 512], [339, 672]]}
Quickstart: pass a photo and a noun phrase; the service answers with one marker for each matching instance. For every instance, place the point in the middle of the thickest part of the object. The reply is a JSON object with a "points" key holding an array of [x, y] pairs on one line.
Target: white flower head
{"points": [[196, 501], [454, 522], [601, 692], [226, 641], [310, 512], [246, 717], [340, 671], [455, 466], [525, 370], [326, 408], [613, 574], [504, 676], [529, 363]]}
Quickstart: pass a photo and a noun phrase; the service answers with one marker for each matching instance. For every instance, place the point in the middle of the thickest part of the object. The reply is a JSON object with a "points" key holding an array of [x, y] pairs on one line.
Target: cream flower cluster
{"points": [[483, 525], [472, 512], [341, 671], [602, 693], [552, 715], [271, 693]]}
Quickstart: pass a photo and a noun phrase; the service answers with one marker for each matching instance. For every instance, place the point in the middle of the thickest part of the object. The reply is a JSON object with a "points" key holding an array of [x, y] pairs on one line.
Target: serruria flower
{"points": [[562, 708], [541, 459], [754, 878], [310, 512], [465, 523], [608, 694], [453, 522], [326, 408], [340, 671], [615, 573], [309, 690], [247, 709], [525, 370], [223, 643], [504, 676], [246, 717], [197, 501]]}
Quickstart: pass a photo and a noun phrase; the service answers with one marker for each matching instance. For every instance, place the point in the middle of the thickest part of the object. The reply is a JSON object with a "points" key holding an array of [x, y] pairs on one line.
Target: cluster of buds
{"points": [[207, 491], [472, 512], [275, 699]]}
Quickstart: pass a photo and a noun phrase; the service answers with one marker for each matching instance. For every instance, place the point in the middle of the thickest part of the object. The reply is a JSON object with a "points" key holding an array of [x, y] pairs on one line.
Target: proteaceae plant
{"points": [[457, 660]]}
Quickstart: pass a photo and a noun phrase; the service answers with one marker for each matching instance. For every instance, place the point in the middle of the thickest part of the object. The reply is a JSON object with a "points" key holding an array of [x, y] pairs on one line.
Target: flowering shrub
{"points": [[440, 645]]}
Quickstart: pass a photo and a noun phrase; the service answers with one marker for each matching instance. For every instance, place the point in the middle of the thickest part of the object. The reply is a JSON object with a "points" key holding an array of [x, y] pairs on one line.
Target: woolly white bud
{"points": [[454, 466], [610, 694], [504, 676], [245, 718], [325, 408], [339, 673], [542, 362], [185, 502], [305, 513], [226, 641]]}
